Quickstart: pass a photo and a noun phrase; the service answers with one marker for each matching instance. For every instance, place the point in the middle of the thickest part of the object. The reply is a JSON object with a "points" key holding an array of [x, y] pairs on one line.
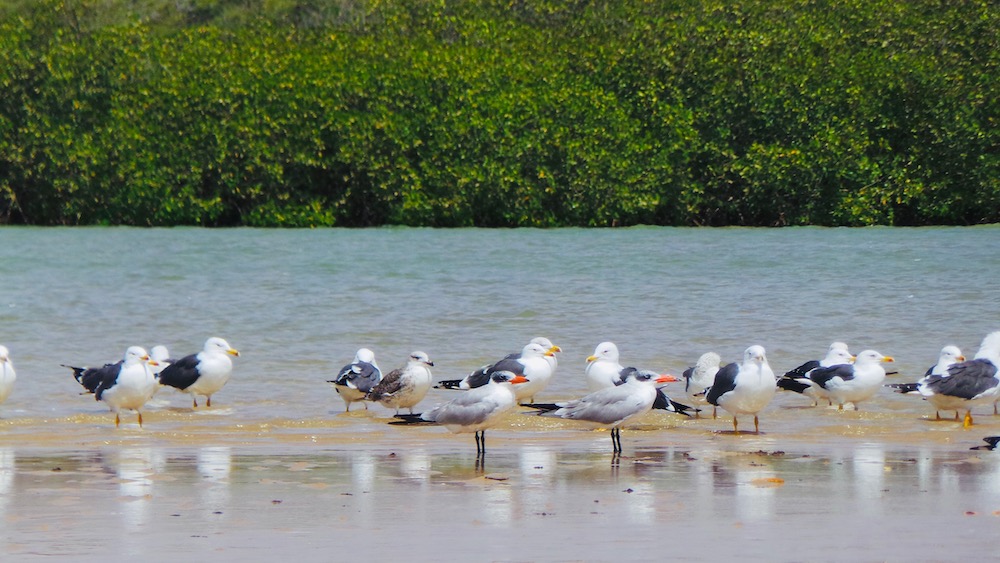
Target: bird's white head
{"points": [[418, 357], [4, 355], [364, 355], [951, 354], [871, 356], [136, 354], [533, 350], [545, 343], [605, 351], [755, 354], [216, 344]]}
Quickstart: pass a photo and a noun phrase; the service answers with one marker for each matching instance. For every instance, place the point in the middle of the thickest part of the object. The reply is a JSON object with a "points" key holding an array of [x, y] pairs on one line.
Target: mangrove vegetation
{"points": [[499, 113]]}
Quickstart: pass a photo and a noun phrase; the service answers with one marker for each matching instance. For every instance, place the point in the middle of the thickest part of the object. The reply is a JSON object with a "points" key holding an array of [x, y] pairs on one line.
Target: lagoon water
{"points": [[277, 467]]}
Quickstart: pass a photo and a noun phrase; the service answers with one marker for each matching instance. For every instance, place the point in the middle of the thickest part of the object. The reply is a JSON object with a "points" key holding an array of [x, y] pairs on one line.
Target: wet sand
{"points": [[882, 484]]}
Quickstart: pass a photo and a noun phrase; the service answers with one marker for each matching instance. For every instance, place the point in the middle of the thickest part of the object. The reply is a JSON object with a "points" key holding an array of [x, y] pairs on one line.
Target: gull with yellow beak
{"points": [[204, 373], [127, 384]]}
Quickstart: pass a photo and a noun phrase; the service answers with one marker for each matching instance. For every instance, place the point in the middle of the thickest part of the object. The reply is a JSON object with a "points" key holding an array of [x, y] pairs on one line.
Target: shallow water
{"points": [[297, 304]]}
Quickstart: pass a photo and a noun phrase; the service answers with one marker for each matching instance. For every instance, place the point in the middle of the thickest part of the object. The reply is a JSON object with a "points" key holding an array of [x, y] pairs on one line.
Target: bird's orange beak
{"points": [[960, 358], [666, 378], [519, 379]]}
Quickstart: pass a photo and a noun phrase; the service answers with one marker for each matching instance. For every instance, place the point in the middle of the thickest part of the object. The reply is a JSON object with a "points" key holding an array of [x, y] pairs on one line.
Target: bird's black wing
{"points": [[821, 376], [803, 370], [182, 373], [96, 379], [725, 381]]}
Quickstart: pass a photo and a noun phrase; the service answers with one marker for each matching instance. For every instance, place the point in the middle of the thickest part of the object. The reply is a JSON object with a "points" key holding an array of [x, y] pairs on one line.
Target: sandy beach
{"points": [[816, 484]]}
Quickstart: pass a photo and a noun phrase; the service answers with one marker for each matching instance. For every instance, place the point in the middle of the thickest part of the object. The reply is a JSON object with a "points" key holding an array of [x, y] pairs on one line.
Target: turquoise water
{"points": [[298, 303], [277, 469]]}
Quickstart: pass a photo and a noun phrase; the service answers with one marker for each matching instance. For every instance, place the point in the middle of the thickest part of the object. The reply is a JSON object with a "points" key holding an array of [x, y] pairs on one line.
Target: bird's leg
{"points": [[937, 415], [194, 401], [968, 419], [482, 437], [736, 428], [855, 406], [714, 412], [118, 420], [208, 401], [756, 425], [956, 416], [840, 407], [995, 409], [348, 407], [140, 419]]}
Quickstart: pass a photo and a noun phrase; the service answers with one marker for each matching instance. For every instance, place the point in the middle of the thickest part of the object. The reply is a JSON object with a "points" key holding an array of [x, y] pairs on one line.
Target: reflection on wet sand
{"points": [[229, 499]]}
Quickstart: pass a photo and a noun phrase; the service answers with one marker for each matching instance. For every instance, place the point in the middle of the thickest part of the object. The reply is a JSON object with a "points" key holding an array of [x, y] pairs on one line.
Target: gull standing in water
{"points": [[404, 387], [798, 379], [949, 355], [744, 388], [357, 378], [127, 384], [204, 373], [969, 383], [476, 410], [612, 407], [852, 383], [604, 370]]}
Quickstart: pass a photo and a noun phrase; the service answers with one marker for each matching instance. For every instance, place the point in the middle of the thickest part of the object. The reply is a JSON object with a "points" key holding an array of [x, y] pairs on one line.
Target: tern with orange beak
{"points": [[476, 410], [614, 406]]}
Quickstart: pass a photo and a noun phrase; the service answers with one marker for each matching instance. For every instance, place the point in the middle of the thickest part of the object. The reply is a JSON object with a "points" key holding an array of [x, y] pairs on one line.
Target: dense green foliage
{"points": [[499, 112]]}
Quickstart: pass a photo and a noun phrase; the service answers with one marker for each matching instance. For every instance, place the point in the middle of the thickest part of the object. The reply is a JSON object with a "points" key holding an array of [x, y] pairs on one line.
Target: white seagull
{"points": [[798, 379], [949, 355], [404, 387], [204, 373], [969, 383], [7, 375], [481, 376], [478, 409], [744, 388], [357, 378], [127, 384], [698, 378], [852, 383], [612, 407]]}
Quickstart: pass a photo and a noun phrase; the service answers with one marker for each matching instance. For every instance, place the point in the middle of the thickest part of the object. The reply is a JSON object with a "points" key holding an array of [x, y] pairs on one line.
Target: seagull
{"points": [[357, 378], [127, 384], [482, 375], [798, 379], [7, 375], [949, 355], [404, 387], [604, 371], [203, 373], [698, 378], [476, 410], [852, 383], [612, 406], [969, 383], [744, 388]]}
